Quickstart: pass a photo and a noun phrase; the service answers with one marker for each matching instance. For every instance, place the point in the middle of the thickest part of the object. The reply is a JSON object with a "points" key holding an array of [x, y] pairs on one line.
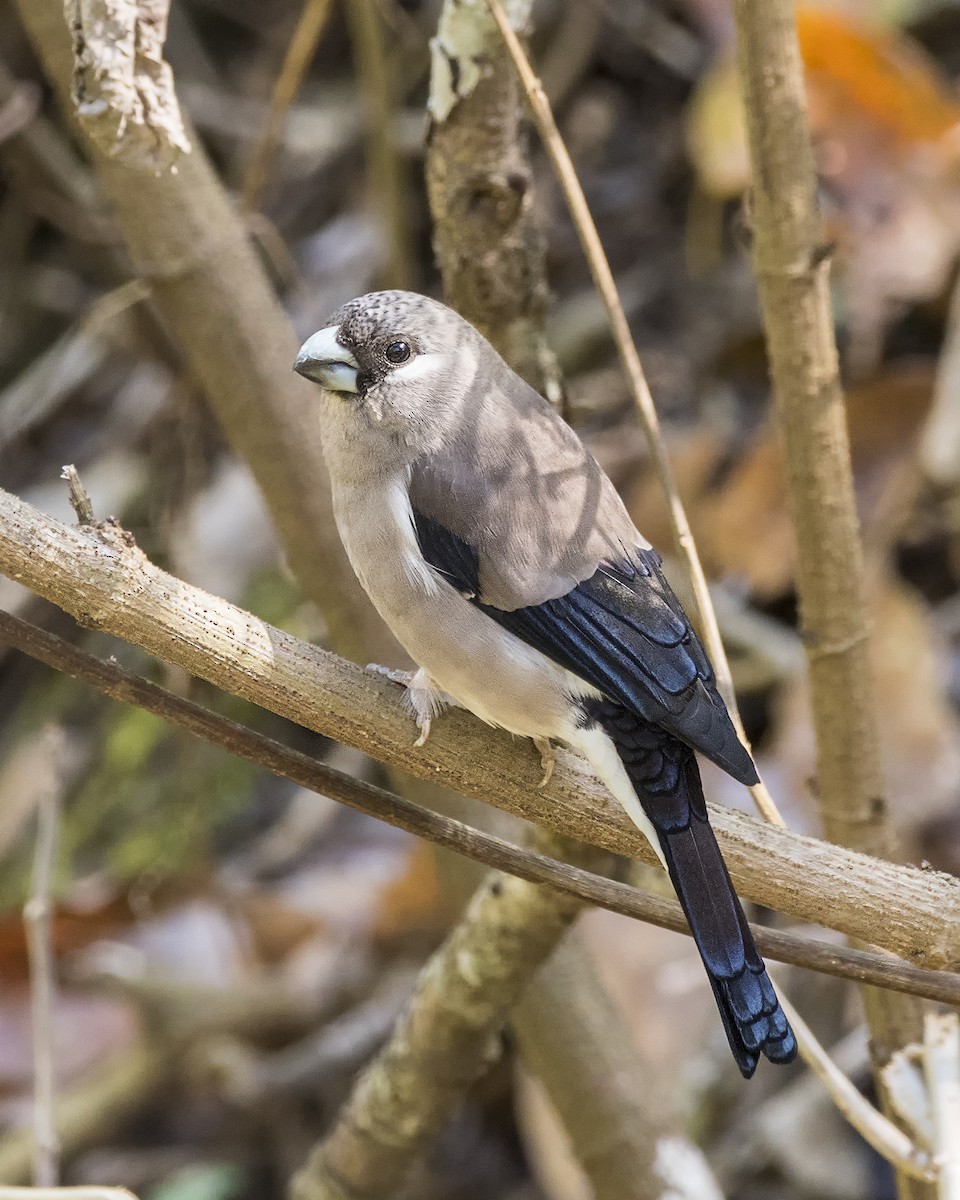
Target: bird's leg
{"points": [[423, 698], [548, 758]]}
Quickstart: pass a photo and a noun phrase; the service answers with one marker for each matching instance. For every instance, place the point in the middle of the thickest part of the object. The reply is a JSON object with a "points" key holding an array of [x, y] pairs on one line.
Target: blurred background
{"points": [[233, 950]]}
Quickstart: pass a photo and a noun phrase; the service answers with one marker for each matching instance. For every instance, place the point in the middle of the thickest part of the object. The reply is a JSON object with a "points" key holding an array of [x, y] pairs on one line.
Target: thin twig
{"points": [[603, 277], [940, 439], [79, 496], [123, 685], [386, 173], [300, 52], [37, 914], [889, 1141]]}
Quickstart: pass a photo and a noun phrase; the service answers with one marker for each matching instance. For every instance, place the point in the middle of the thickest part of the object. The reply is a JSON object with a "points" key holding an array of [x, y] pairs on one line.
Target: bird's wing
{"points": [[515, 483], [623, 631]]}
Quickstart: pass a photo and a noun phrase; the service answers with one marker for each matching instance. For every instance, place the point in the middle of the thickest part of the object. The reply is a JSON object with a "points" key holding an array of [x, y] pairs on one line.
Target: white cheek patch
{"points": [[421, 367]]}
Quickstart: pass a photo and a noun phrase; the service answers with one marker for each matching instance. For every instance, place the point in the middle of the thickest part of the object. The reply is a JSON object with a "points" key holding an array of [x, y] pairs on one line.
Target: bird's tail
{"points": [[665, 775]]}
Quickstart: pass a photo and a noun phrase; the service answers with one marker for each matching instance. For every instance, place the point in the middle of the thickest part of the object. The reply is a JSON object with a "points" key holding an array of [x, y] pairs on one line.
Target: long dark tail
{"points": [[667, 780]]}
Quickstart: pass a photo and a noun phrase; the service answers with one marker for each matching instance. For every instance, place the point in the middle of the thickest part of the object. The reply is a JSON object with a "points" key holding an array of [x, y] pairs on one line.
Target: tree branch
{"points": [[792, 268], [188, 243], [491, 251], [566, 1029], [300, 51], [448, 1036], [100, 576], [120, 684], [489, 245]]}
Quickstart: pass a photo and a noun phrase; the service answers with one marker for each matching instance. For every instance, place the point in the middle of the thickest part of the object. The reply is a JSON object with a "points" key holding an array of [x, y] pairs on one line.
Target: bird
{"points": [[501, 556]]}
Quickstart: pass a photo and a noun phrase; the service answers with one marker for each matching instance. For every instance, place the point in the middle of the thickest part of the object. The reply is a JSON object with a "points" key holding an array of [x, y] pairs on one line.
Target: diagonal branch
{"points": [[119, 684], [101, 577]]}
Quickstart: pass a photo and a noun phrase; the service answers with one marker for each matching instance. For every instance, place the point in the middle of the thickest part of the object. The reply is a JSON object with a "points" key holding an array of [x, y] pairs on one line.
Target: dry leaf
{"points": [[412, 902], [886, 129], [919, 730], [742, 524]]}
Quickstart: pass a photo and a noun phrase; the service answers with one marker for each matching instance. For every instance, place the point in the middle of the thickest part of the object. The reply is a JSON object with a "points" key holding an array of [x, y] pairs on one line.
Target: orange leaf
{"points": [[884, 76]]}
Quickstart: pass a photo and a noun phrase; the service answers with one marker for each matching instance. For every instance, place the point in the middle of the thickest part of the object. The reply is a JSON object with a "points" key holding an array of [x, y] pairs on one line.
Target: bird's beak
{"points": [[325, 361]]}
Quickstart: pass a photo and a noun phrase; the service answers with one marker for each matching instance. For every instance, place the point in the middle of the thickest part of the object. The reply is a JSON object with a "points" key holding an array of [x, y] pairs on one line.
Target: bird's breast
{"points": [[488, 670]]}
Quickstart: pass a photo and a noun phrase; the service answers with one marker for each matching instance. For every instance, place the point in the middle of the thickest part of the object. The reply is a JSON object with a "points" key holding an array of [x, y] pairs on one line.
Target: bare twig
{"points": [[122, 685], [792, 268], [941, 1067], [184, 1015], [300, 52], [79, 496], [889, 1141], [37, 916], [621, 1127], [491, 252], [101, 577], [95, 1109], [56, 373], [603, 277], [940, 440], [386, 174]]}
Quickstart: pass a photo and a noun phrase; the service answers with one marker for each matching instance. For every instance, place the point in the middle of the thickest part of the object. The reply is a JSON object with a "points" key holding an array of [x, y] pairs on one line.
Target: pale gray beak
{"points": [[323, 360]]}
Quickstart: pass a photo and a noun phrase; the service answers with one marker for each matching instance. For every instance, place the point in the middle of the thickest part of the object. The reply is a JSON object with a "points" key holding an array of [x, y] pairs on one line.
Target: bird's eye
{"points": [[398, 352]]}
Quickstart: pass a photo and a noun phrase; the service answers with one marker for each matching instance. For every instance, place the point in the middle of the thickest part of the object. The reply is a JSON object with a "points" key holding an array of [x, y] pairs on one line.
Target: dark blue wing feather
{"points": [[624, 632]]}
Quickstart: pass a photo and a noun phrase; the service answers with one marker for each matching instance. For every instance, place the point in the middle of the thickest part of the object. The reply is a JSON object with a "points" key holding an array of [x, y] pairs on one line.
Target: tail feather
{"points": [[751, 1013], [665, 775]]}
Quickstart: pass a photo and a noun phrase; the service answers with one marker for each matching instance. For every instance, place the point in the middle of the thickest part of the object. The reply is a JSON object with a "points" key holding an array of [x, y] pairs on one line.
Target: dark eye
{"points": [[398, 352]]}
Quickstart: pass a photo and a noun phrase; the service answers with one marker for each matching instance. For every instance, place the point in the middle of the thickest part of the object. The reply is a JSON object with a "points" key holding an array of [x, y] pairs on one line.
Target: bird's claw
{"points": [[423, 699], [548, 759]]}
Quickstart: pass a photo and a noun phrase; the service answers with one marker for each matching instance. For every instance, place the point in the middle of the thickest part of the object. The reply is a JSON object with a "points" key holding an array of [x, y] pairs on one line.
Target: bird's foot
{"points": [[423, 698], [548, 758]]}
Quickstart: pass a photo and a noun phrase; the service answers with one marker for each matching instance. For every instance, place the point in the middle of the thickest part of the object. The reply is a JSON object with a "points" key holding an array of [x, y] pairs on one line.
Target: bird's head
{"points": [[402, 365]]}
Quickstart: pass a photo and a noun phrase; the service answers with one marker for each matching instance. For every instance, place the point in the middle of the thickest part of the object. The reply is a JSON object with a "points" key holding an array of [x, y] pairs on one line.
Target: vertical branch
{"points": [[300, 52], [792, 275], [386, 176], [489, 245], [37, 913]]}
